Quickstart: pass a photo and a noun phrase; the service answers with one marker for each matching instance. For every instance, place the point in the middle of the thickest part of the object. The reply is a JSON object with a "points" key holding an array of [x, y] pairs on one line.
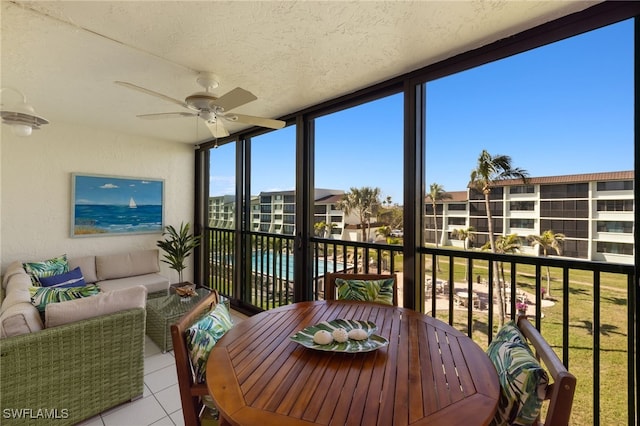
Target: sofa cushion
{"points": [[115, 266], [57, 314], [17, 291], [153, 282], [87, 265], [202, 336], [46, 268], [42, 296], [20, 318], [380, 291], [73, 278], [14, 268]]}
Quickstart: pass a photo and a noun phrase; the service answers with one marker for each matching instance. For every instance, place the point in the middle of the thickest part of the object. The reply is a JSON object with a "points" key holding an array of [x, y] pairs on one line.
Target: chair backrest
{"points": [[191, 392], [330, 283], [560, 392]]}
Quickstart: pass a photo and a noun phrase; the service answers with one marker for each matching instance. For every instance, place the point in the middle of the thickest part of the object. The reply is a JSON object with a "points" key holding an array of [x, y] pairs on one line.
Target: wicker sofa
{"points": [[90, 355], [65, 374]]}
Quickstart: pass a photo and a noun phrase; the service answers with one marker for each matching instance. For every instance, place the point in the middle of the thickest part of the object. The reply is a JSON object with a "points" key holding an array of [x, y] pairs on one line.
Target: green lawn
{"points": [[613, 336]]}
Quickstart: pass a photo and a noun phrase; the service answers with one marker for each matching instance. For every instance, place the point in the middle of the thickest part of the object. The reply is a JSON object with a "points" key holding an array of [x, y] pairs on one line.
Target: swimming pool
{"points": [[281, 265]]}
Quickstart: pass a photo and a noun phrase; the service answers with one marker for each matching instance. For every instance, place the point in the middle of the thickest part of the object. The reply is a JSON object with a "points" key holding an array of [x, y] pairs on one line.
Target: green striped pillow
{"points": [[46, 268], [379, 291], [41, 296], [202, 336], [523, 383], [510, 332]]}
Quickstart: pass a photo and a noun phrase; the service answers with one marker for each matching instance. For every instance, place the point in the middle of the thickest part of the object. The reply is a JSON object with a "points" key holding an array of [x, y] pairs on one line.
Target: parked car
{"points": [[396, 233]]}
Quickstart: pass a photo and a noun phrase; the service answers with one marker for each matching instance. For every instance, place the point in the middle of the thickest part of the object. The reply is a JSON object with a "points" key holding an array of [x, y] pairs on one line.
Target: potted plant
{"points": [[177, 246]]}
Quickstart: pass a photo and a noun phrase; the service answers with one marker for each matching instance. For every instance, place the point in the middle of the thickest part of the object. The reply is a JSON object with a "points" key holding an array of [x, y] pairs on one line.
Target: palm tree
{"points": [[465, 235], [548, 240], [505, 245], [364, 202], [489, 170], [437, 193]]}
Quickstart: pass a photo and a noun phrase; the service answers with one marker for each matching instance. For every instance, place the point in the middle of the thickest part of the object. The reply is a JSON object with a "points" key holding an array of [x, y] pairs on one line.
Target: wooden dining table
{"points": [[428, 374]]}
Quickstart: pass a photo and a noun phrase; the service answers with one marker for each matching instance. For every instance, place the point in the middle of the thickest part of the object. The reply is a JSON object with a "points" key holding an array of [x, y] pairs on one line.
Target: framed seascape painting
{"points": [[113, 205]]}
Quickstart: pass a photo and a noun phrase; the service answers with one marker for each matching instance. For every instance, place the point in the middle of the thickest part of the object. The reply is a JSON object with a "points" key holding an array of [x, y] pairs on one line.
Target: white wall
{"points": [[35, 206]]}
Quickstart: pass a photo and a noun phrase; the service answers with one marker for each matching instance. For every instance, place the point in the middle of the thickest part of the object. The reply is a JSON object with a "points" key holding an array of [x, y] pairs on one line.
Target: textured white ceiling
{"points": [[65, 56]]}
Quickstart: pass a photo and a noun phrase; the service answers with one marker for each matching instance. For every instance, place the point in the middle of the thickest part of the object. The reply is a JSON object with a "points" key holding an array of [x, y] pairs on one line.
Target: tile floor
{"points": [[160, 402]]}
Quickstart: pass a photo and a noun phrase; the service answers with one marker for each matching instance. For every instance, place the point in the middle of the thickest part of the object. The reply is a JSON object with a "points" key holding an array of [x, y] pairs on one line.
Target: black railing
{"points": [[585, 310]]}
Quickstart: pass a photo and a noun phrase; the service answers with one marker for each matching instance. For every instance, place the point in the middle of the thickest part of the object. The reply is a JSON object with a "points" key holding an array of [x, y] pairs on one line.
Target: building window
{"points": [[521, 189], [615, 226], [265, 199], [614, 248], [570, 228], [289, 199], [565, 209], [456, 221], [571, 190], [320, 209], [457, 207], [614, 205], [522, 223], [522, 206], [615, 185], [336, 219]]}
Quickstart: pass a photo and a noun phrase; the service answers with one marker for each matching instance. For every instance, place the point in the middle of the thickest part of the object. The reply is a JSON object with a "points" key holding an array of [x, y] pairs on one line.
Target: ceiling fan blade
{"points": [[256, 121], [161, 115], [234, 99], [151, 92], [217, 129]]}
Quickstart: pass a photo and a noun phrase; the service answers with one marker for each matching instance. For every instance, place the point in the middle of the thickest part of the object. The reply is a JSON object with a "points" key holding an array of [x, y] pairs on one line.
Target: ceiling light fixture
{"points": [[21, 117]]}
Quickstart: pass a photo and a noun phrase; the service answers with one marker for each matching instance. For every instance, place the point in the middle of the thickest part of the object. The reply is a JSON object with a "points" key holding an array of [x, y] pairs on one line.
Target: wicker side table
{"points": [[166, 310]]}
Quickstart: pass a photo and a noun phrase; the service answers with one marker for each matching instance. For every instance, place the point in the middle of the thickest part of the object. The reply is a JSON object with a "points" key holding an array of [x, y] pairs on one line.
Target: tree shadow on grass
{"points": [[620, 301], [605, 329]]}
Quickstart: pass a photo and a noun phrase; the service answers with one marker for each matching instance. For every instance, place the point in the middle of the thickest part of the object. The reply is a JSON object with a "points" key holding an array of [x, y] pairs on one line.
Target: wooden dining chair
{"points": [[561, 391], [191, 392], [330, 283]]}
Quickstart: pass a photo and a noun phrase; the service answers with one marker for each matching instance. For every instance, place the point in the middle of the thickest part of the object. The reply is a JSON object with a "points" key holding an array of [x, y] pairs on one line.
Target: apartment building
{"points": [[594, 211], [275, 211]]}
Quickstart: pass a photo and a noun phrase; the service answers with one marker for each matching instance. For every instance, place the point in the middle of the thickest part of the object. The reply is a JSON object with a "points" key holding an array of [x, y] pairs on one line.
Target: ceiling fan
{"points": [[209, 107]]}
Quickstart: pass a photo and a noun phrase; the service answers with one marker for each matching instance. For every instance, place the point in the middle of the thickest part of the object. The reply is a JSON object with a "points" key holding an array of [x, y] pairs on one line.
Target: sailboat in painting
{"points": [[132, 203]]}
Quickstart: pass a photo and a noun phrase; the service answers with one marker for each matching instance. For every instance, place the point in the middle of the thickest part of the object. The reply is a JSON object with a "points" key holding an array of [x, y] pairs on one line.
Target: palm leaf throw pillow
{"points": [[523, 381], [41, 296], [202, 336], [379, 291], [47, 268]]}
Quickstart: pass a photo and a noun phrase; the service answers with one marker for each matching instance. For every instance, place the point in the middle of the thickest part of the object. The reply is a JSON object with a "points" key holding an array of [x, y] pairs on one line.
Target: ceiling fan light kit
{"points": [[209, 107], [21, 117]]}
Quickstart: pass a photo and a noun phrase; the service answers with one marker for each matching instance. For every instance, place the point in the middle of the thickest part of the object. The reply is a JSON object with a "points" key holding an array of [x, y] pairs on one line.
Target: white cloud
{"points": [[109, 186]]}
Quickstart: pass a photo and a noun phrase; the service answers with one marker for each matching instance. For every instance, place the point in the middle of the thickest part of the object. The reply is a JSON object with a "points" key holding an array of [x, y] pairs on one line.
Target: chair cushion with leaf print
{"points": [[510, 332], [202, 336], [523, 382], [379, 291]]}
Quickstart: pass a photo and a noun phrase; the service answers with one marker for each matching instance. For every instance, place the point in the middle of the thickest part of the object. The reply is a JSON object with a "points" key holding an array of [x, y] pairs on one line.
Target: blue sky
{"points": [[107, 190], [566, 108]]}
